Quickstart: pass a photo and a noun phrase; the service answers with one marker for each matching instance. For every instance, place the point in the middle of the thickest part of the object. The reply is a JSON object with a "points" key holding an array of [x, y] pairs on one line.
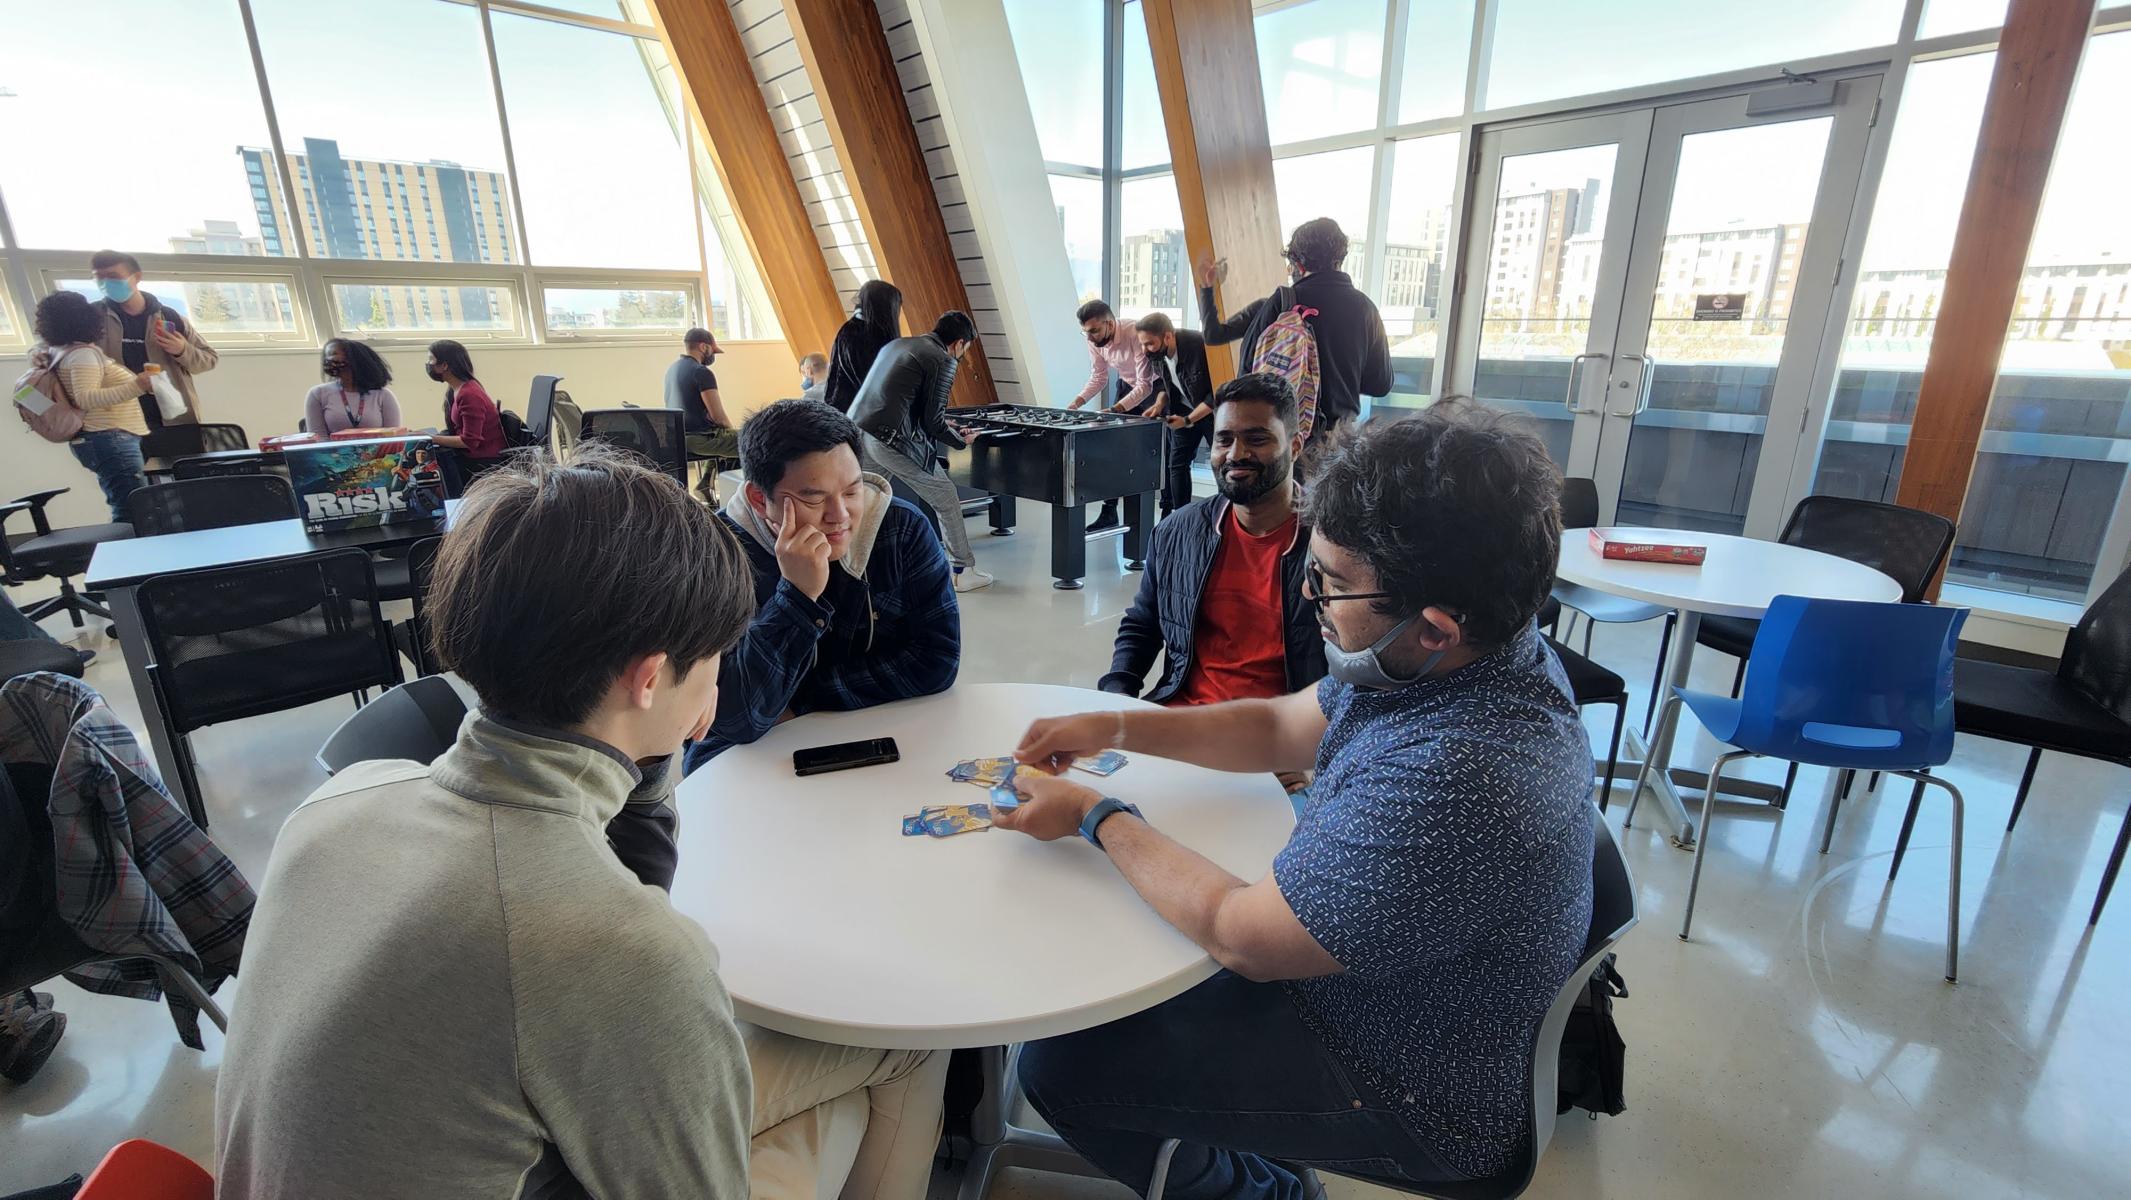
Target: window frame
{"points": [[689, 285], [46, 268]]}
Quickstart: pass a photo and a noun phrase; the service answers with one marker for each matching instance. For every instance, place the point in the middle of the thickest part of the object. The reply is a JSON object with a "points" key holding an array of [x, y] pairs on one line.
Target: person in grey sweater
{"points": [[453, 987]]}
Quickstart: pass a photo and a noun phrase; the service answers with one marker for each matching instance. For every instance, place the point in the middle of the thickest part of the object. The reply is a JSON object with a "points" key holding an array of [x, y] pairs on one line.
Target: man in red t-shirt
{"points": [[1221, 597]]}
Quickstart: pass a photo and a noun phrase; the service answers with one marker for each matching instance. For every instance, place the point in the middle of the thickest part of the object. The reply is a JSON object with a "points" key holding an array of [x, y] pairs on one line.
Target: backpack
{"points": [[1592, 1052], [62, 421], [1288, 348], [515, 434]]}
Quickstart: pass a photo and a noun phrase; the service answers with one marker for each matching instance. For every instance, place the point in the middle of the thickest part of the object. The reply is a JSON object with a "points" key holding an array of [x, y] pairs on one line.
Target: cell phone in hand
{"points": [[843, 756]]}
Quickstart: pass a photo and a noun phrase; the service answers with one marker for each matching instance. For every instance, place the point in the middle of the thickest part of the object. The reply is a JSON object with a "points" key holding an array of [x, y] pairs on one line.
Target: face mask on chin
{"points": [[1364, 668]]}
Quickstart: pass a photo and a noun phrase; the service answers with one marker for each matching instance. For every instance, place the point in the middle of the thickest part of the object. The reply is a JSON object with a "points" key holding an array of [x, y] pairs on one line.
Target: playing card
{"points": [[913, 826], [1105, 763], [952, 819], [982, 771], [1004, 797]]}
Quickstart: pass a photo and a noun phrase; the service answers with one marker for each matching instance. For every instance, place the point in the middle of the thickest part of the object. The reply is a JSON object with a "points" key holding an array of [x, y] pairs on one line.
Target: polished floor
{"points": [[1802, 1045]]}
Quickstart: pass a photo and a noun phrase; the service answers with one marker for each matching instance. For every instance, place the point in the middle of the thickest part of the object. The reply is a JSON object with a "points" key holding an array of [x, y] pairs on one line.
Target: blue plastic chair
{"points": [[1845, 684]]}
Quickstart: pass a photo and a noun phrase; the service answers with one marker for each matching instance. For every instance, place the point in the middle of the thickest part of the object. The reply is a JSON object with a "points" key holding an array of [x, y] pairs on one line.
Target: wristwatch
{"points": [[1103, 808]]}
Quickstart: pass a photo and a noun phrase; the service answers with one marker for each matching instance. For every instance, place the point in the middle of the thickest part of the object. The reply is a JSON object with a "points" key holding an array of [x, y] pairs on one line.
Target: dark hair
{"points": [[554, 577], [1156, 323], [67, 318], [1263, 387], [1093, 310], [1457, 507], [788, 430], [879, 306], [699, 336], [954, 325], [1317, 245], [369, 368], [453, 357], [106, 259], [816, 359]]}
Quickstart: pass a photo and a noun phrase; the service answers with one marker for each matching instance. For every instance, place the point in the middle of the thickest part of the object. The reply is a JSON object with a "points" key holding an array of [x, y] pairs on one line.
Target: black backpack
{"points": [[515, 434], [1592, 1052]]}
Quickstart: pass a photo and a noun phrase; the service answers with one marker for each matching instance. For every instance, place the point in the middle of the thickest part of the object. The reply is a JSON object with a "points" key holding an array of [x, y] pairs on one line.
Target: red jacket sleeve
{"points": [[475, 415]]}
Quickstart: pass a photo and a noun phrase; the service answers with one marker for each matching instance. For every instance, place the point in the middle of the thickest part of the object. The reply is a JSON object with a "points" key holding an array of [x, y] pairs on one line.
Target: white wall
{"points": [[263, 391]]}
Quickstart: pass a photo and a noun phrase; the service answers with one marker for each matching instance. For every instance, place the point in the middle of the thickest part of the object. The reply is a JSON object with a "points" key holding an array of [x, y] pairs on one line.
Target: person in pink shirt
{"points": [[1108, 352]]}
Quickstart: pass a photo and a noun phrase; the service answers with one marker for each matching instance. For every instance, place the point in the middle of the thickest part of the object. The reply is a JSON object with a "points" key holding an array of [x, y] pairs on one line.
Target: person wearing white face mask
{"points": [[813, 376], [140, 330], [1384, 981]]}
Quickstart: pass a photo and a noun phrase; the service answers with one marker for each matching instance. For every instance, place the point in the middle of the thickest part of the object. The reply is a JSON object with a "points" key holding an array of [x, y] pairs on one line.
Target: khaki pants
{"points": [[843, 1121], [722, 443]]}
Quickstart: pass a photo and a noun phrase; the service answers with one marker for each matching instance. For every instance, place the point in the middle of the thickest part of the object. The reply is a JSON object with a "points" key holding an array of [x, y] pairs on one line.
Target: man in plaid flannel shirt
{"points": [[855, 604]]}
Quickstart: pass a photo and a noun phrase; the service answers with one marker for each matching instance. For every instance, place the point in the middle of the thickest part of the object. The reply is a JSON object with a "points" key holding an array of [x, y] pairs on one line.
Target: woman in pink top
{"points": [[355, 395], [472, 426]]}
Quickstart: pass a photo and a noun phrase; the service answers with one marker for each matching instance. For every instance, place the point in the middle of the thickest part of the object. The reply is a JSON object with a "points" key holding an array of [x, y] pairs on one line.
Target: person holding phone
{"points": [[109, 444], [139, 330], [354, 395]]}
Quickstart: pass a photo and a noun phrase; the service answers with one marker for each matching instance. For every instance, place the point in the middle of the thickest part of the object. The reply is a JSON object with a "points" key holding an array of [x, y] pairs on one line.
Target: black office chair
{"points": [[213, 466], [1579, 510], [540, 407], [213, 503], [236, 642], [27, 656], [2082, 708], [416, 721], [412, 635], [162, 448], [658, 434], [1590, 684], [48, 553], [1613, 914], [36, 944]]}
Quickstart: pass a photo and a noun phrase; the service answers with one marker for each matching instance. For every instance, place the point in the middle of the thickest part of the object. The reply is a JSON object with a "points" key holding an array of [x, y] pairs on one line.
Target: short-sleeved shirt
{"points": [[1239, 648], [686, 381], [1445, 861]]}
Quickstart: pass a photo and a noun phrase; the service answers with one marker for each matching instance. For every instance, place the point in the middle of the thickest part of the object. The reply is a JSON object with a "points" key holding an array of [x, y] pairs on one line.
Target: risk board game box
{"points": [[374, 481]]}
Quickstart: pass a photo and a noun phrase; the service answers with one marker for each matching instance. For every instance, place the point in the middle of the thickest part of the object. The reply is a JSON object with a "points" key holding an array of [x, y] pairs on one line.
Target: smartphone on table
{"points": [[820, 760]]}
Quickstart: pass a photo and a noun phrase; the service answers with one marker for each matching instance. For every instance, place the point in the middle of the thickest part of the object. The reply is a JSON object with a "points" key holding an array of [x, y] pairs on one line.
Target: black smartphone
{"points": [[820, 760]]}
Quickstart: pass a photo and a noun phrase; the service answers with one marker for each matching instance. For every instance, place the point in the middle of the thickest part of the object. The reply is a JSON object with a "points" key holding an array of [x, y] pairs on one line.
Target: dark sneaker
{"points": [[1107, 519], [29, 1032]]}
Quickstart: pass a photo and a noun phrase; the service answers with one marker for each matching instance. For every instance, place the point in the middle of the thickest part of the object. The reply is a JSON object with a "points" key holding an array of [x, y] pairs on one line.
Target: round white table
{"points": [[1740, 577], [832, 925]]}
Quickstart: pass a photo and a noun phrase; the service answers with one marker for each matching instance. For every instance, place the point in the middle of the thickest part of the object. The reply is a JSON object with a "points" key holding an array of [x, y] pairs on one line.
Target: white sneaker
{"points": [[969, 579]]}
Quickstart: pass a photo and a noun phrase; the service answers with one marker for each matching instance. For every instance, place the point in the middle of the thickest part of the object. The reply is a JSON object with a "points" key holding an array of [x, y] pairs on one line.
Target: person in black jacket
{"points": [[1178, 358], [1221, 597], [876, 320], [1353, 353], [902, 410]]}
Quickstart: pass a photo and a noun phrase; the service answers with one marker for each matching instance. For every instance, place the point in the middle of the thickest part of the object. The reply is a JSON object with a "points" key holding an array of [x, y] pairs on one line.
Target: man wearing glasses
{"points": [[1384, 981], [855, 605]]}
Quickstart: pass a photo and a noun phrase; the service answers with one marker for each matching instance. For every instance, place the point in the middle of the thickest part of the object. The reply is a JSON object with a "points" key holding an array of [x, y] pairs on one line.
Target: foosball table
{"points": [[1067, 459]]}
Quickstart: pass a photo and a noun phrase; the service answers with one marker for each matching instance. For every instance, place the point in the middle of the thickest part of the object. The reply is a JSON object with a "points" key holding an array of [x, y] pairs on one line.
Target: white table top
{"points": [[1739, 579], [831, 925]]}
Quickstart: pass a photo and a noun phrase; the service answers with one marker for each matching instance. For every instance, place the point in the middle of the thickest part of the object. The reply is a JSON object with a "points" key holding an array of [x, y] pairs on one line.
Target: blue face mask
{"points": [[118, 291], [1364, 668]]}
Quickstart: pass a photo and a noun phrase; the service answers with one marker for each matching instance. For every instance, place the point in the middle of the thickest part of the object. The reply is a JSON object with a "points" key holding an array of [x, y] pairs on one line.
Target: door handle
{"points": [[1642, 399], [1569, 401]]}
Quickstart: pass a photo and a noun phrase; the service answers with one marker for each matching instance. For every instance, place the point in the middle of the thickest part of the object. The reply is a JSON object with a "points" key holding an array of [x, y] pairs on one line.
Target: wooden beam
{"points": [[1206, 71], [733, 121], [847, 56], [2030, 88]]}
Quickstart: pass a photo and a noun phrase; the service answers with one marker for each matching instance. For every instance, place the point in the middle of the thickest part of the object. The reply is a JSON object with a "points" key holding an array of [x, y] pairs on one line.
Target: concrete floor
{"points": [[1803, 1045]]}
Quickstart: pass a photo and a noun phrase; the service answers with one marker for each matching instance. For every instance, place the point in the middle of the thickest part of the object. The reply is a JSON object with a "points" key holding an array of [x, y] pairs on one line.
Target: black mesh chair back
{"points": [[2097, 653], [216, 438], [421, 562], [213, 503], [658, 434], [1579, 503], [540, 406], [238, 641], [219, 465], [173, 442], [1906, 544]]}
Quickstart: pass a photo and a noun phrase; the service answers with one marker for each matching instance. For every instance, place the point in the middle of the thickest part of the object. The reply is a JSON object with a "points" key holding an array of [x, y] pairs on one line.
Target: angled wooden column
{"points": [[734, 122], [846, 54], [1206, 70], [2030, 88]]}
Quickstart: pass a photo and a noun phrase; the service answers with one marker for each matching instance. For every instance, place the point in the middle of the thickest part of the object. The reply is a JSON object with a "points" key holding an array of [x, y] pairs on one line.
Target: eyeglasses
{"points": [[1313, 587]]}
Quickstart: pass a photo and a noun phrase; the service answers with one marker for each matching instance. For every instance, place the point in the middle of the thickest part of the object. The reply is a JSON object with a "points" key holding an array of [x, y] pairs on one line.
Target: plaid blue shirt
{"points": [[893, 635]]}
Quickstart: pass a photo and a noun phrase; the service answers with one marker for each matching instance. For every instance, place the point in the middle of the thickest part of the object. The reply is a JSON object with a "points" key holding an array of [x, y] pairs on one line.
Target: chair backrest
{"points": [[1579, 503], [540, 406], [421, 561], [1906, 544], [217, 502], [1852, 683], [658, 434], [417, 721], [216, 465], [238, 641], [173, 442], [2097, 653], [142, 1170], [222, 437], [569, 423], [1612, 916]]}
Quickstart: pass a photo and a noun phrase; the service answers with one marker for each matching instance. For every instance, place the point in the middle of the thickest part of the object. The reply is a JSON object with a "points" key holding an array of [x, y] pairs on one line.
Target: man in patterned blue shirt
{"points": [[1385, 980]]}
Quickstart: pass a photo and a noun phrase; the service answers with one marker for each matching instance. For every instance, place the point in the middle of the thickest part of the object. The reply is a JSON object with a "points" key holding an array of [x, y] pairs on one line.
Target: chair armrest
{"points": [[36, 502]]}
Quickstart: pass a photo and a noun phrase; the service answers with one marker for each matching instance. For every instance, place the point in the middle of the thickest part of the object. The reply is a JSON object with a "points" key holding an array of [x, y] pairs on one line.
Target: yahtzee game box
{"points": [[374, 481]]}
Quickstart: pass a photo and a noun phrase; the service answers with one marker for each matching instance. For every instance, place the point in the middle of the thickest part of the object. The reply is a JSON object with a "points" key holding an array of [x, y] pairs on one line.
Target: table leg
{"points": [[999, 1143], [1002, 515], [1069, 545], [1662, 791], [133, 646], [1139, 529]]}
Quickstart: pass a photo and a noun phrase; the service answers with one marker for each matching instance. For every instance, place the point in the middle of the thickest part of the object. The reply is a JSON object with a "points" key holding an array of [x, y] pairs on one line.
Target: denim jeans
{"points": [[1231, 1069], [115, 456]]}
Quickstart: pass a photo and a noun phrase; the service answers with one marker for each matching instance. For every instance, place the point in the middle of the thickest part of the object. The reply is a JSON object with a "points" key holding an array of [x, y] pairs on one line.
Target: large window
{"points": [[1334, 184], [229, 309], [1060, 46], [1153, 269], [1320, 62], [1145, 141], [1079, 204], [1438, 47], [1415, 273]]}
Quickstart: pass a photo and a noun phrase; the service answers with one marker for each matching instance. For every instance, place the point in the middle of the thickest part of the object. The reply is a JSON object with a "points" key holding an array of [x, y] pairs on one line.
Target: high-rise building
{"points": [[232, 307], [389, 210], [216, 237], [1154, 272], [1532, 234]]}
